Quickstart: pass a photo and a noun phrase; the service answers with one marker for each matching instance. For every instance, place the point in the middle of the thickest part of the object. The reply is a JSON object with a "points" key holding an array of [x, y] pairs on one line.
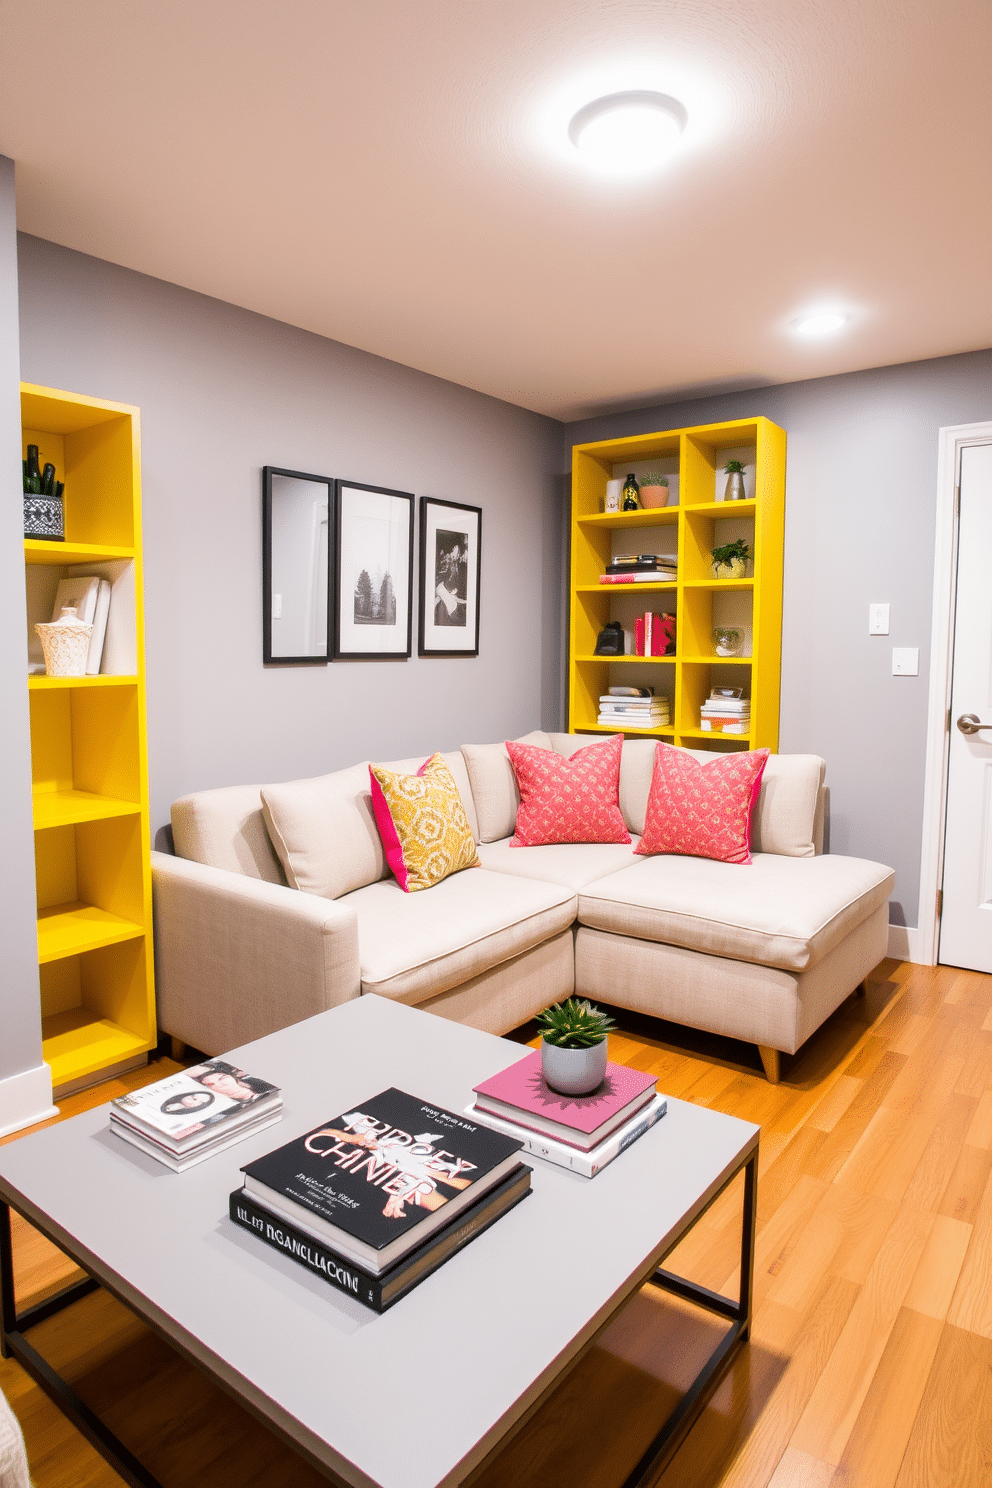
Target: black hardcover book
{"points": [[380, 1292], [377, 1180]]}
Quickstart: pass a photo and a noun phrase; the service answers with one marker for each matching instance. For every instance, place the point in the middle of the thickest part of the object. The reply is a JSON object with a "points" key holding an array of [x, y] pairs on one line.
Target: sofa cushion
{"points": [[785, 816], [422, 824], [494, 787], [224, 828], [784, 912], [702, 809], [415, 946], [571, 864], [568, 800]]}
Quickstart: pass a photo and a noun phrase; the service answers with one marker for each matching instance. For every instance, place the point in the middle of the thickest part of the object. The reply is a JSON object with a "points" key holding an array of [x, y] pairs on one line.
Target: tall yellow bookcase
{"points": [[693, 460], [88, 753]]}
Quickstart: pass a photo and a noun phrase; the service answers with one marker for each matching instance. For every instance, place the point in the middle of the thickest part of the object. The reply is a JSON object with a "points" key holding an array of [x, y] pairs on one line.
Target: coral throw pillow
{"points": [[702, 810], [422, 822], [568, 800]]}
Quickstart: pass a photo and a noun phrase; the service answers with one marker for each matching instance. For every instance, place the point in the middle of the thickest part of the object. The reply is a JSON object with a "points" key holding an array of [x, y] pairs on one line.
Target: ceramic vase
{"points": [[573, 1071], [613, 495], [654, 496], [735, 569], [734, 489], [44, 518], [66, 644]]}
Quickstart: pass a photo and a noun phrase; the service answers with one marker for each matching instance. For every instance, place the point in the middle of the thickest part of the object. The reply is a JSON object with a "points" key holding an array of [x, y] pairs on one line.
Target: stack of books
{"points": [[580, 1132], [641, 568], [376, 1199], [726, 711], [633, 708], [186, 1118]]}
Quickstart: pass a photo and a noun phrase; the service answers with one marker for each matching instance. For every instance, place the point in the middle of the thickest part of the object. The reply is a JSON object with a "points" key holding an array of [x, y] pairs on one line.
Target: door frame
{"points": [[952, 440]]}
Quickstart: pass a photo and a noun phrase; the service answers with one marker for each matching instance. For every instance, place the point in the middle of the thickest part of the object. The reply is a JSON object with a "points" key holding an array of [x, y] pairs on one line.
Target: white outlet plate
{"points": [[878, 619], [905, 661]]}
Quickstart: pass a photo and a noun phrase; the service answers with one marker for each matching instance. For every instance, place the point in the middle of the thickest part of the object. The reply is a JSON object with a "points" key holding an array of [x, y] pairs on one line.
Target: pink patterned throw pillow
{"points": [[702, 810], [568, 800]]}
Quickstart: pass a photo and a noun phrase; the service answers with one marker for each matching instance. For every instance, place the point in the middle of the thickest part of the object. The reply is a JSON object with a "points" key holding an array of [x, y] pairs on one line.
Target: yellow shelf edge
{"points": [[80, 1042], [717, 660], [637, 660], [72, 929], [625, 588], [64, 808], [36, 550], [38, 683], [647, 516]]}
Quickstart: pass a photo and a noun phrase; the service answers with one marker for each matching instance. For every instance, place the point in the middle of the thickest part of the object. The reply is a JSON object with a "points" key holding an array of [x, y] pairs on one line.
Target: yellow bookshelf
{"points": [[88, 754], [693, 460]]}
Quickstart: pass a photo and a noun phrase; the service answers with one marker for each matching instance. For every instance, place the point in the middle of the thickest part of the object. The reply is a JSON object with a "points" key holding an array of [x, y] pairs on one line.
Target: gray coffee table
{"points": [[486, 1335]]}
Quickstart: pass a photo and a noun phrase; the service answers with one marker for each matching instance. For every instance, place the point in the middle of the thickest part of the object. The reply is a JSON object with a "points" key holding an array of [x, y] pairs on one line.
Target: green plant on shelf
{"points": [[738, 549], [734, 467], [574, 1024], [653, 479]]}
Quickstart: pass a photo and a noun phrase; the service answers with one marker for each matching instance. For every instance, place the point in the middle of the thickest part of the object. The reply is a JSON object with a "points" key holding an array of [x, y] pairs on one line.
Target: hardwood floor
{"points": [[870, 1364]]}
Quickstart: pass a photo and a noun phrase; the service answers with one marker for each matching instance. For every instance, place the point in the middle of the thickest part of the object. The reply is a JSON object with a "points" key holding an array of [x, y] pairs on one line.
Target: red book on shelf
{"points": [[639, 636], [662, 634], [648, 633], [521, 1094]]}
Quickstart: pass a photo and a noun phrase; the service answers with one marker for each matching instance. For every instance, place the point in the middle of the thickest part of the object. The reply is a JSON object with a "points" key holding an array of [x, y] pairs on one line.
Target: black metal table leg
{"points": [[675, 1429], [13, 1342]]}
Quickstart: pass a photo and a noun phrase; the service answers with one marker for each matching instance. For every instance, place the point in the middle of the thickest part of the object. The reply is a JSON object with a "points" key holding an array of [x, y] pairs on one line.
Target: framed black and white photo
{"points": [[296, 571], [450, 559], [373, 603]]}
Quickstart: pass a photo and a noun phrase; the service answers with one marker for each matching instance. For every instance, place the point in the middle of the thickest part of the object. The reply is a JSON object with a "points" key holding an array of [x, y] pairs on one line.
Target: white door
{"points": [[966, 915]]}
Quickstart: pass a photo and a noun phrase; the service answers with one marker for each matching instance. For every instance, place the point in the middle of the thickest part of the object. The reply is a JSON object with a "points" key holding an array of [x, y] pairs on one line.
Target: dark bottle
{"points": [[32, 477], [631, 494], [48, 480]]}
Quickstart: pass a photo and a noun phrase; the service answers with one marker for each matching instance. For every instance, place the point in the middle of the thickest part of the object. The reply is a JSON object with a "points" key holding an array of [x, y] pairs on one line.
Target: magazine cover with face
{"points": [[383, 1169], [202, 1096]]}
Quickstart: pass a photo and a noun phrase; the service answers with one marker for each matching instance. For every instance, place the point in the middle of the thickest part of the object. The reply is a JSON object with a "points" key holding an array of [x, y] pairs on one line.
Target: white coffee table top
{"points": [[417, 1396]]}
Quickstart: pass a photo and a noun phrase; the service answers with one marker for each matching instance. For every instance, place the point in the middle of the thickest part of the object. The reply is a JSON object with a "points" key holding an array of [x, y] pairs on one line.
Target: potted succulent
{"points": [[729, 560], [734, 490], [654, 489], [573, 1050]]}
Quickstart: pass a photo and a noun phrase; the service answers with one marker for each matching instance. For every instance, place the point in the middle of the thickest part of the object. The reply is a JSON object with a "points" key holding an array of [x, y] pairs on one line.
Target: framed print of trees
{"points": [[374, 573]]}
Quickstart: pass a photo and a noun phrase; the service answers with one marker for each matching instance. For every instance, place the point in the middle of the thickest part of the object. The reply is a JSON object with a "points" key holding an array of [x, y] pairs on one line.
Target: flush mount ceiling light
{"points": [[628, 134], [819, 322]]}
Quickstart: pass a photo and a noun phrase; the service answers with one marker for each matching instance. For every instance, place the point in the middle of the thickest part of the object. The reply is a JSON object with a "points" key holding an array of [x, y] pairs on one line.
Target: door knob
{"points": [[968, 724]]}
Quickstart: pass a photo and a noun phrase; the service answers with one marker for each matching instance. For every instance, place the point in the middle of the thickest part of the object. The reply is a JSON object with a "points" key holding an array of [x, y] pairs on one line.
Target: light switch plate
{"points": [[905, 661], [878, 619]]}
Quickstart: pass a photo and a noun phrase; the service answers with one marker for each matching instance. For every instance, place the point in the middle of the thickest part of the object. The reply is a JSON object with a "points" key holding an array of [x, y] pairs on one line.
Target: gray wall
{"points": [[860, 518], [20, 1015], [223, 392]]}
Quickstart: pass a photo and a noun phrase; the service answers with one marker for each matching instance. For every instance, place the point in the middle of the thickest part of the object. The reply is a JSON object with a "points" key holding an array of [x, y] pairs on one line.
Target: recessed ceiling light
{"points": [[628, 133], [820, 322]]}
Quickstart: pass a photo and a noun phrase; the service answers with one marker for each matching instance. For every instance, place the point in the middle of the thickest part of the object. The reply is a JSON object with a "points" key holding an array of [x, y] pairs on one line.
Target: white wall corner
{"points": [[25, 1099], [904, 944]]}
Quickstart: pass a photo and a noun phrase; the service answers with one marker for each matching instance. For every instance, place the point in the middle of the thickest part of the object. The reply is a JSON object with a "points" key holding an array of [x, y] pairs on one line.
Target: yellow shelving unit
{"points": [[88, 754], [693, 459]]}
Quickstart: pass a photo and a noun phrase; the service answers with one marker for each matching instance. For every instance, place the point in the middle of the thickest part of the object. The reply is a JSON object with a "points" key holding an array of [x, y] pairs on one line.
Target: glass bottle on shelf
{"points": [[631, 494]]}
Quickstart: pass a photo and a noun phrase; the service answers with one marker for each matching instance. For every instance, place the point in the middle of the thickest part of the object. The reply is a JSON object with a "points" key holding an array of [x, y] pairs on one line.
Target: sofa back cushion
{"points": [[324, 830], [787, 817], [494, 786], [225, 829]]}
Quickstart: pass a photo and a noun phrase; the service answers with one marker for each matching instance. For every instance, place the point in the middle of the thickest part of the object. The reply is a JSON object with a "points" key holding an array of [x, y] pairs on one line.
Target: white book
{"points": [[564, 1156], [81, 591], [100, 617], [180, 1164]]}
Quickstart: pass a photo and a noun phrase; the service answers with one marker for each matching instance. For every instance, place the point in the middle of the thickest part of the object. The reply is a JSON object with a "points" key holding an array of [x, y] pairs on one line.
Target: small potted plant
{"points": [[654, 489], [729, 560], [734, 471], [573, 1050]]}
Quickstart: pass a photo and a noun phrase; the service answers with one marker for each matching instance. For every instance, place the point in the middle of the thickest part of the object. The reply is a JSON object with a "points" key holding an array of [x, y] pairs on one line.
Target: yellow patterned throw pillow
{"points": [[422, 822]]}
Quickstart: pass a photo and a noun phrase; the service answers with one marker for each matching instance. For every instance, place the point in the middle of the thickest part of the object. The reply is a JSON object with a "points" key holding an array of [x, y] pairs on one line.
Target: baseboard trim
{"points": [[26, 1099], [904, 943]]}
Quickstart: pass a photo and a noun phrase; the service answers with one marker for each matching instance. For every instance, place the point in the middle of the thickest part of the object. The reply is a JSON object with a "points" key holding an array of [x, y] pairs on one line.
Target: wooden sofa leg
{"points": [[770, 1058], [178, 1049]]}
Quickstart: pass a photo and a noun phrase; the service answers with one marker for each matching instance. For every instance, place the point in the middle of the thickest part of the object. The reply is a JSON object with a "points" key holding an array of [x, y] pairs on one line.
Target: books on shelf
{"points": [[187, 1117], [654, 635], [520, 1093], [564, 1155], [640, 562], [375, 1182], [634, 712], [380, 1290], [726, 711], [91, 598], [649, 576], [722, 726]]}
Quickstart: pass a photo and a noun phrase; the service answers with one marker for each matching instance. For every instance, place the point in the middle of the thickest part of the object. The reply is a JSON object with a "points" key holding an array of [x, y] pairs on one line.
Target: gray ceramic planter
{"points": [[573, 1071]]}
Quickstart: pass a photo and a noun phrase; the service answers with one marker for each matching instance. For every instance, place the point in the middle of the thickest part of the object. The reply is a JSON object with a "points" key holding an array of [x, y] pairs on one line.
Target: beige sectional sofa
{"points": [[279, 904]]}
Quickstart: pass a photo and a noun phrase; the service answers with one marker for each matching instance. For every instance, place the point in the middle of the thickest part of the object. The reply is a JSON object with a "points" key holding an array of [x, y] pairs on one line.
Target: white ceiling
{"points": [[396, 174]]}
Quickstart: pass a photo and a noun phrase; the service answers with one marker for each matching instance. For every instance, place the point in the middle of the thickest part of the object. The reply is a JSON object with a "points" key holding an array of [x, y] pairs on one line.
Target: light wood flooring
{"points": [[870, 1364]]}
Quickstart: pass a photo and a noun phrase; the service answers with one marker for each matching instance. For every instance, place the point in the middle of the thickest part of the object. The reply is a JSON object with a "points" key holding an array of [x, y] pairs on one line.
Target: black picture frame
{"points": [[373, 573], [450, 561], [315, 564]]}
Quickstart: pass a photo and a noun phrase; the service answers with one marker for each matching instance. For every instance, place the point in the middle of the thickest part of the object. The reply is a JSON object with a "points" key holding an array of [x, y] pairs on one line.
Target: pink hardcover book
{"points": [[521, 1094]]}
